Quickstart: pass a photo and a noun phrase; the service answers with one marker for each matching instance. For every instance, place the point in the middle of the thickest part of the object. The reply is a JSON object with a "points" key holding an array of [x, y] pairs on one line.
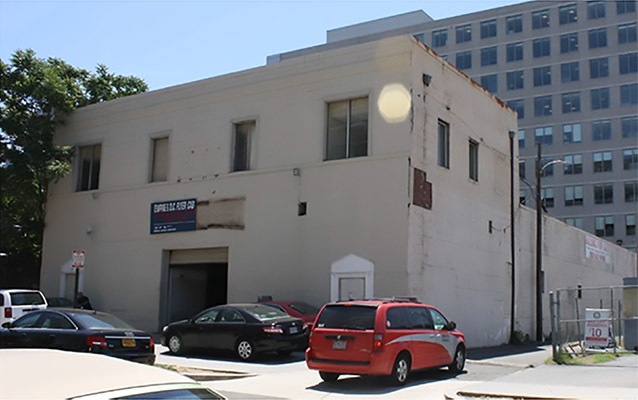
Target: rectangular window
{"points": [[549, 169], [488, 29], [541, 47], [89, 167], [543, 76], [522, 196], [630, 159], [569, 42], [595, 9], [598, 67], [542, 106], [521, 169], [347, 135], [573, 196], [514, 51], [625, 6], [543, 136], [631, 192], [540, 19], [439, 38], [604, 226], [630, 224], [571, 102], [604, 194], [627, 33], [464, 60], [576, 222], [463, 33], [628, 63], [518, 106], [601, 130], [629, 95], [444, 144], [242, 138], [573, 164], [514, 24], [515, 80], [521, 138], [569, 72], [473, 158], [488, 56], [159, 163], [490, 82], [567, 14], [600, 99], [597, 38], [629, 127], [603, 161], [547, 197], [572, 133]]}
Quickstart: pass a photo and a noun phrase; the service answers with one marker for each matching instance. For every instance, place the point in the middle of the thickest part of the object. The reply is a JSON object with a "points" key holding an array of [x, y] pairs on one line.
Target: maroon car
{"points": [[297, 309]]}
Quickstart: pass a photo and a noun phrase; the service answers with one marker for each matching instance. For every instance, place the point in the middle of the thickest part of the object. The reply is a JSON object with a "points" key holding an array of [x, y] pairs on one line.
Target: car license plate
{"points": [[339, 344], [128, 342], [293, 329]]}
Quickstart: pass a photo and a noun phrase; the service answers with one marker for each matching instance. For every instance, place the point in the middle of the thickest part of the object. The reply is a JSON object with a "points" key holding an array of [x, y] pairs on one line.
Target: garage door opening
{"points": [[197, 279]]}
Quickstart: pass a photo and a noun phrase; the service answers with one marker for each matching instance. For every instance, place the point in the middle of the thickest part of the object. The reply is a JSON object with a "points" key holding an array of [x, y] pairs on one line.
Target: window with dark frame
{"points": [[601, 130], [604, 193], [463, 33], [573, 196], [595, 9], [569, 42], [473, 159], [625, 6], [490, 82], [514, 51], [603, 161], [347, 133], [514, 24], [631, 192], [515, 80], [604, 226], [488, 29], [570, 72], [439, 38], [567, 14], [575, 222], [572, 133], [627, 33], [630, 159], [518, 106], [541, 47], [242, 137], [543, 106], [464, 60], [89, 158], [544, 136], [570, 102], [521, 138], [540, 19], [629, 126], [573, 164], [630, 224], [599, 68], [444, 144], [628, 63], [547, 197], [629, 94], [600, 99], [521, 169], [543, 76], [488, 56], [598, 38]]}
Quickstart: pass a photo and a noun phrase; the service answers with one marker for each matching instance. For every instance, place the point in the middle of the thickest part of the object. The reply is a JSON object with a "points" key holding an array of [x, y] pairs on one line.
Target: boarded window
{"points": [[159, 167], [242, 140]]}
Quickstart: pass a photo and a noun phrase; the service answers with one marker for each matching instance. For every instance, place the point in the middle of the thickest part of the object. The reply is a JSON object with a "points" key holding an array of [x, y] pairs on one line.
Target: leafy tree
{"points": [[35, 97]]}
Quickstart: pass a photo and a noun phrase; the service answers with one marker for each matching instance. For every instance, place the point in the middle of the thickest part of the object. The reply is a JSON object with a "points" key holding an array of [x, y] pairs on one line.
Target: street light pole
{"points": [[539, 242]]}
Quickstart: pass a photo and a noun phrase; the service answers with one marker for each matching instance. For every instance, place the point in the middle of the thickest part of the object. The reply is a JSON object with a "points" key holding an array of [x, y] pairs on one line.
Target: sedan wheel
{"points": [[175, 344], [245, 350]]}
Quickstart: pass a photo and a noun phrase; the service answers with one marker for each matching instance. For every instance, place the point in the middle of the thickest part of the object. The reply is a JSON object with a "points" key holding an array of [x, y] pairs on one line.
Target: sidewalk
{"points": [[617, 379]]}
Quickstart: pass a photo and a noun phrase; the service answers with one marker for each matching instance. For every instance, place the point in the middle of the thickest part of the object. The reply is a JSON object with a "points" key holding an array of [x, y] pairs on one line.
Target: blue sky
{"points": [[171, 42]]}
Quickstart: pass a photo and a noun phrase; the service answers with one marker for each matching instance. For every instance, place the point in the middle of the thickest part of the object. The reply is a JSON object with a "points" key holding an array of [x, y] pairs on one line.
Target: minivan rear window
{"points": [[347, 317], [26, 299]]}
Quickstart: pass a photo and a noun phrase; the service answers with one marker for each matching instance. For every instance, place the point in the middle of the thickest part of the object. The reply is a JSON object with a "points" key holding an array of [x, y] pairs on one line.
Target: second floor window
{"points": [[242, 138], [159, 165], [547, 197], [521, 138], [89, 167], [347, 129], [603, 161]]}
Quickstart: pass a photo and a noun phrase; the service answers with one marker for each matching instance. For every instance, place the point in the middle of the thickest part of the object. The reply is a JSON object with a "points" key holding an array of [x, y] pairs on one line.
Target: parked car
{"points": [[383, 337], [59, 302], [246, 329], [79, 330], [297, 309], [55, 374], [14, 303]]}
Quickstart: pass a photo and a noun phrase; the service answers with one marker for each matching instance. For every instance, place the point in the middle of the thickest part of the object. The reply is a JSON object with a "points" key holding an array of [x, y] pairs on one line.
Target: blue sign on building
{"points": [[173, 216]]}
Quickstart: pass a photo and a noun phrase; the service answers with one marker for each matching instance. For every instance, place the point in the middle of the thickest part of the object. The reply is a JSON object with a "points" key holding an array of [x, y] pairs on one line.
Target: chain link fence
{"points": [[568, 308]]}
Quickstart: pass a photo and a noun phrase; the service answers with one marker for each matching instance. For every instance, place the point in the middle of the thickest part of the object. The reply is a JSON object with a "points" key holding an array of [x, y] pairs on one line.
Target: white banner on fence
{"points": [[597, 327], [597, 249]]}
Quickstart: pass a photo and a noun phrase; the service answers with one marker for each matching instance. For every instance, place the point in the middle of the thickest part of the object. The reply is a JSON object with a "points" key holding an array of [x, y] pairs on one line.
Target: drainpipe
{"points": [[512, 239]]}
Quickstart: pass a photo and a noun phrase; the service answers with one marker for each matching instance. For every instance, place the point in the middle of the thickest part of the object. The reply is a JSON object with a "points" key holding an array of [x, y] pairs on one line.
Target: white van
{"points": [[14, 303]]}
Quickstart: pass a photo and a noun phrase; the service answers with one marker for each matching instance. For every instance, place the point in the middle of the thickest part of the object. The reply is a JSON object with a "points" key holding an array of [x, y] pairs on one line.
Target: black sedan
{"points": [[246, 329], [79, 330]]}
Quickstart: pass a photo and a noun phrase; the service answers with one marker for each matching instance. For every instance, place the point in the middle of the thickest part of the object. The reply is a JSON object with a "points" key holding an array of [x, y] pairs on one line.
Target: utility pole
{"points": [[539, 244]]}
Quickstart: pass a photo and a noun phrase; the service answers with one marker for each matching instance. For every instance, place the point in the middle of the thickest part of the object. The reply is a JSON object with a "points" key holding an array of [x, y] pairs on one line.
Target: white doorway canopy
{"points": [[351, 277]]}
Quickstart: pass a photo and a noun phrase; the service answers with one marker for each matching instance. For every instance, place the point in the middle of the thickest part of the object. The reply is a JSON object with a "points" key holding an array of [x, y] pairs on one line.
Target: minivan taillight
{"points": [[8, 313], [96, 341], [378, 342]]}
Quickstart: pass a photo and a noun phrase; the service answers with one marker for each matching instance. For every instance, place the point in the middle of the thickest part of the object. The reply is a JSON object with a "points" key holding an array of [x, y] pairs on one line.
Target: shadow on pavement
{"points": [[370, 385], [485, 353], [261, 359]]}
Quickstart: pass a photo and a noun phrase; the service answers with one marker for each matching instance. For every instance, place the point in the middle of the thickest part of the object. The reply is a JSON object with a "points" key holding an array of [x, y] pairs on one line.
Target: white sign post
{"points": [[597, 327]]}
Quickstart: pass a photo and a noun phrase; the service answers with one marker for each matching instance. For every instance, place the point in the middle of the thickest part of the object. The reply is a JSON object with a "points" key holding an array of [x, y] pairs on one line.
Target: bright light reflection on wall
{"points": [[394, 103]]}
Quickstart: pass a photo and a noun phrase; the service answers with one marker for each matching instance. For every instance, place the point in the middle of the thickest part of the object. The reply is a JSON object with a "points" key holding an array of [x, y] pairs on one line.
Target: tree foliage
{"points": [[35, 96]]}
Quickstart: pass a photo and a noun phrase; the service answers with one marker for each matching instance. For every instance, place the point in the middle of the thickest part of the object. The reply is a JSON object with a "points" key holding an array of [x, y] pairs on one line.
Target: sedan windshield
{"points": [[265, 313], [305, 309], [101, 321]]}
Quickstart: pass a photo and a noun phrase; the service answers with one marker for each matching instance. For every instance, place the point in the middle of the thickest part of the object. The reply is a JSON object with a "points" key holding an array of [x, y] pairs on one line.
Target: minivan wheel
{"points": [[175, 344], [328, 376], [459, 360], [400, 370], [245, 350]]}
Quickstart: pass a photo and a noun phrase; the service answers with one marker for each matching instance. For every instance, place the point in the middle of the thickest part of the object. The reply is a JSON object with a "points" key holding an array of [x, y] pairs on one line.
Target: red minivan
{"points": [[383, 337]]}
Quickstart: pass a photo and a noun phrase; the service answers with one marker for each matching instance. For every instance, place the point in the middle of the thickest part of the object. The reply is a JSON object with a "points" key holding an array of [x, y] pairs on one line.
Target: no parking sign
{"points": [[78, 259]]}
